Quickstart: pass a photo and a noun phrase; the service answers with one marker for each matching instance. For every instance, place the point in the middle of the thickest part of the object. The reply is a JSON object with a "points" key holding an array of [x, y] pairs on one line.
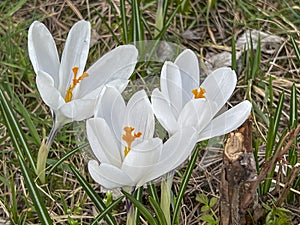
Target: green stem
{"points": [[165, 202], [131, 214], [44, 151]]}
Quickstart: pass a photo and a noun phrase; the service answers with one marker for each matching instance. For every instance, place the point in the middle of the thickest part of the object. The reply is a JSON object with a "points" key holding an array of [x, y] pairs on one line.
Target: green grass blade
{"points": [[138, 194], [183, 185], [143, 210], [26, 116], [159, 19], [269, 144], [271, 92], [34, 194], [293, 122], [293, 108], [260, 113], [158, 211], [233, 54], [167, 24], [15, 8], [124, 21], [296, 48], [277, 116], [137, 30], [60, 161], [274, 124], [107, 210], [273, 129], [93, 196], [152, 191], [19, 143], [14, 127]]}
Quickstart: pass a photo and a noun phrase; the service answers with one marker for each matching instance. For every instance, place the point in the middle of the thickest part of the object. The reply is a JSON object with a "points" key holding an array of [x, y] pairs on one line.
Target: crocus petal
{"points": [[139, 115], [188, 64], [116, 64], [42, 51], [103, 142], [219, 86], [111, 107], [108, 176], [78, 109], [175, 151], [119, 84], [197, 113], [75, 53], [163, 112], [48, 92], [170, 84], [227, 122], [142, 158]]}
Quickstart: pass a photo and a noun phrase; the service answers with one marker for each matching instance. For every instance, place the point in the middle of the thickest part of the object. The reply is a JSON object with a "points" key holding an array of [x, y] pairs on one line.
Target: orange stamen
{"points": [[199, 92], [75, 81], [129, 138]]}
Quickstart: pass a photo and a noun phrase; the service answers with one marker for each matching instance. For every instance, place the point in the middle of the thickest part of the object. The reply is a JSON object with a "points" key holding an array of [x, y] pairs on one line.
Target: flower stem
{"points": [[44, 151], [130, 210], [130, 213], [166, 185]]}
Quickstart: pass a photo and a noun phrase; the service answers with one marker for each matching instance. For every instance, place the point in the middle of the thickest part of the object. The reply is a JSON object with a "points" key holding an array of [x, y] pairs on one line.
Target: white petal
{"points": [[188, 64], [78, 109], [42, 51], [170, 84], [219, 86], [111, 107], [142, 158], [48, 92], [175, 151], [163, 112], [103, 142], [197, 113], [119, 84], [75, 53], [139, 115], [119, 63], [92, 95], [108, 176], [227, 122]]}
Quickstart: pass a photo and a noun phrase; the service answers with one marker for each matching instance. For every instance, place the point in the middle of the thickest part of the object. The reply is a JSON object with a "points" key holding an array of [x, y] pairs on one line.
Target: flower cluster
{"points": [[122, 135]]}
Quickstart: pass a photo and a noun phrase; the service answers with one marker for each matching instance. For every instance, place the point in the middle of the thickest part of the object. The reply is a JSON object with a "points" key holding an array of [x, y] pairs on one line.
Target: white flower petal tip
{"points": [[70, 92], [186, 57], [225, 73], [108, 176], [227, 122], [42, 50]]}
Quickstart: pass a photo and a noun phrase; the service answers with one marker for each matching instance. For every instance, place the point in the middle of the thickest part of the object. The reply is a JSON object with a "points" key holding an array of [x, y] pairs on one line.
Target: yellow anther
{"points": [[199, 92], [128, 137], [75, 81]]}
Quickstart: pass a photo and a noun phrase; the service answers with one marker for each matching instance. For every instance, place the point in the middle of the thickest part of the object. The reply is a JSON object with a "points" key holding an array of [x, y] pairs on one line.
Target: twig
{"points": [[269, 165]]}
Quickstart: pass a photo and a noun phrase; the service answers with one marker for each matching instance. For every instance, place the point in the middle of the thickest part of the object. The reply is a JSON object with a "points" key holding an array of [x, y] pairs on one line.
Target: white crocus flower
{"points": [[121, 138], [183, 102], [65, 87]]}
